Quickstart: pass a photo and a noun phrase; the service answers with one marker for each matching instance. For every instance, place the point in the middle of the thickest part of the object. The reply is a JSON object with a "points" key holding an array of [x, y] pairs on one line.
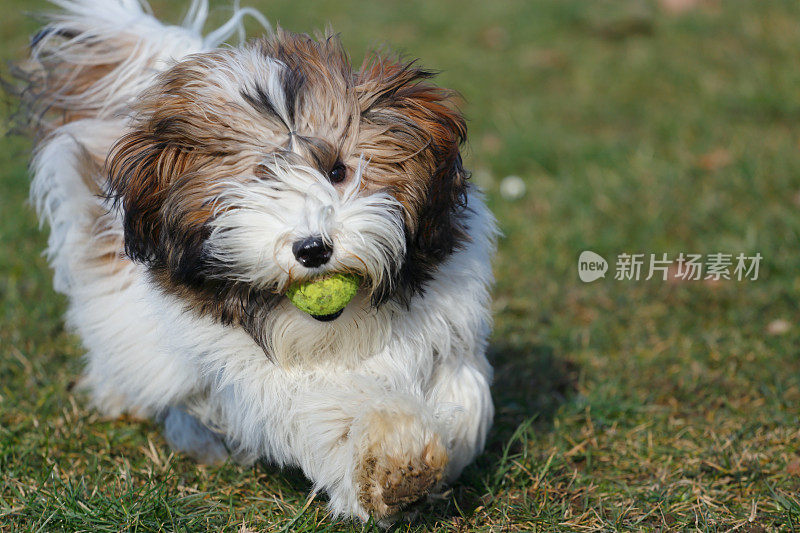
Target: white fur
{"points": [[311, 403]]}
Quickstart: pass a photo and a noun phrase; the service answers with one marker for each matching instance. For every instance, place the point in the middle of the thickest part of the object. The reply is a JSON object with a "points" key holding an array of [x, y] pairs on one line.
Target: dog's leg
{"points": [[184, 433], [459, 392], [405, 445], [371, 448], [400, 456]]}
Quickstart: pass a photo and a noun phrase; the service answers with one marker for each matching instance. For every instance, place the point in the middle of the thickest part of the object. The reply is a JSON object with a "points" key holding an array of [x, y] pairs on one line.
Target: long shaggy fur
{"points": [[175, 177]]}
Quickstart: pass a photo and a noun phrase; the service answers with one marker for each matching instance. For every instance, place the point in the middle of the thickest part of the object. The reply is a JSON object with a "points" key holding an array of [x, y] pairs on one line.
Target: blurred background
{"points": [[614, 126]]}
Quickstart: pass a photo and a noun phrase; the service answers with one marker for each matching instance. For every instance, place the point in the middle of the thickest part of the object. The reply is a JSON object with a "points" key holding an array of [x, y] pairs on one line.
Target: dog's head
{"points": [[249, 169]]}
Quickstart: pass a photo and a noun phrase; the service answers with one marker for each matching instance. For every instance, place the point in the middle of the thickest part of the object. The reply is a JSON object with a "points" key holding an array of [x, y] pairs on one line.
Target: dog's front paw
{"points": [[402, 459]]}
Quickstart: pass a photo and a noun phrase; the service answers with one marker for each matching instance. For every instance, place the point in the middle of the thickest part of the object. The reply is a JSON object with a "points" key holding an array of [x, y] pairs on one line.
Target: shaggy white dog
{"points": [[187, 186]]}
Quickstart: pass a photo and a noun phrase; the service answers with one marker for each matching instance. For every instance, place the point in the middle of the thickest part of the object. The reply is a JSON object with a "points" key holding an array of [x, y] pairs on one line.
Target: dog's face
{"points": [[253, 168]]}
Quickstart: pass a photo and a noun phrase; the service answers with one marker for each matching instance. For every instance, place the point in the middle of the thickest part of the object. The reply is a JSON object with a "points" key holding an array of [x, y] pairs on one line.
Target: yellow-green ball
{"points": [[324, 296]]}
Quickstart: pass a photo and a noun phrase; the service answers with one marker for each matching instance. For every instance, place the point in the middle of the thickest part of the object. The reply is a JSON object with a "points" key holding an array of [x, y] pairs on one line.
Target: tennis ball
{"points": [[324, 296]]}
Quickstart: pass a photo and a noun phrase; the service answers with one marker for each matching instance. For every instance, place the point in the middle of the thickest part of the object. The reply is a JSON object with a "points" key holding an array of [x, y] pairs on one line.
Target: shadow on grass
{"points": [[530, 381], [530, 384]]}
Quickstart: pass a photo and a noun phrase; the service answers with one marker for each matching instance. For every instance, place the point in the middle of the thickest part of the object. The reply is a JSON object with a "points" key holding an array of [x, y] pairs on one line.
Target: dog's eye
{"points": [[338, 173]]}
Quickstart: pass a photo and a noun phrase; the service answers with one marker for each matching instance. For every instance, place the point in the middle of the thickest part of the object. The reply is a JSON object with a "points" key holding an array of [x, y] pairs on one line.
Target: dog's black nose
{"points": [[312, 252]]}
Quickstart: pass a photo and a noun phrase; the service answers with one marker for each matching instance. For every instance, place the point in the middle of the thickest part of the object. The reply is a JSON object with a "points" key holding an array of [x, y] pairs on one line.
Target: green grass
{"points": [[620, 405]]}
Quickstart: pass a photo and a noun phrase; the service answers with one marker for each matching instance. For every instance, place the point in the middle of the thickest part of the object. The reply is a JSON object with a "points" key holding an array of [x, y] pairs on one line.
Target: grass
{"points": [[621, 405]]}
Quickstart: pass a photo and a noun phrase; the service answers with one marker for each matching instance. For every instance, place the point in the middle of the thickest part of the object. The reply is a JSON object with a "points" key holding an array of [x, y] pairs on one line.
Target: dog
{"points": [[187, 185]]}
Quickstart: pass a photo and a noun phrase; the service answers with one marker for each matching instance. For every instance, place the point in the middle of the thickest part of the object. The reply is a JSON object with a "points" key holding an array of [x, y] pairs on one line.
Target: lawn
{"points": [[621, 404]]}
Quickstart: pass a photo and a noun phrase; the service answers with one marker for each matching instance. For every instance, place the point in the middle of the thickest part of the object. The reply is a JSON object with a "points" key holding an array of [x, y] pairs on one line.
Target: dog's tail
{"points": [[86, 67], [93, 56]]}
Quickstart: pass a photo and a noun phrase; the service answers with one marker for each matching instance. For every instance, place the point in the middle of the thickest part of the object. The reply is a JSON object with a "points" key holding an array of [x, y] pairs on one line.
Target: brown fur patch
{"points": [[166, 175], [106, 255], [414, 137], [57, 89]]}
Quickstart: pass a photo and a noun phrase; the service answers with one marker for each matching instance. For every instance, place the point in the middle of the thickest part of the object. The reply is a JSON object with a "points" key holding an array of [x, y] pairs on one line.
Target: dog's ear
{"points": [[423, 120], [140, 170]]}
